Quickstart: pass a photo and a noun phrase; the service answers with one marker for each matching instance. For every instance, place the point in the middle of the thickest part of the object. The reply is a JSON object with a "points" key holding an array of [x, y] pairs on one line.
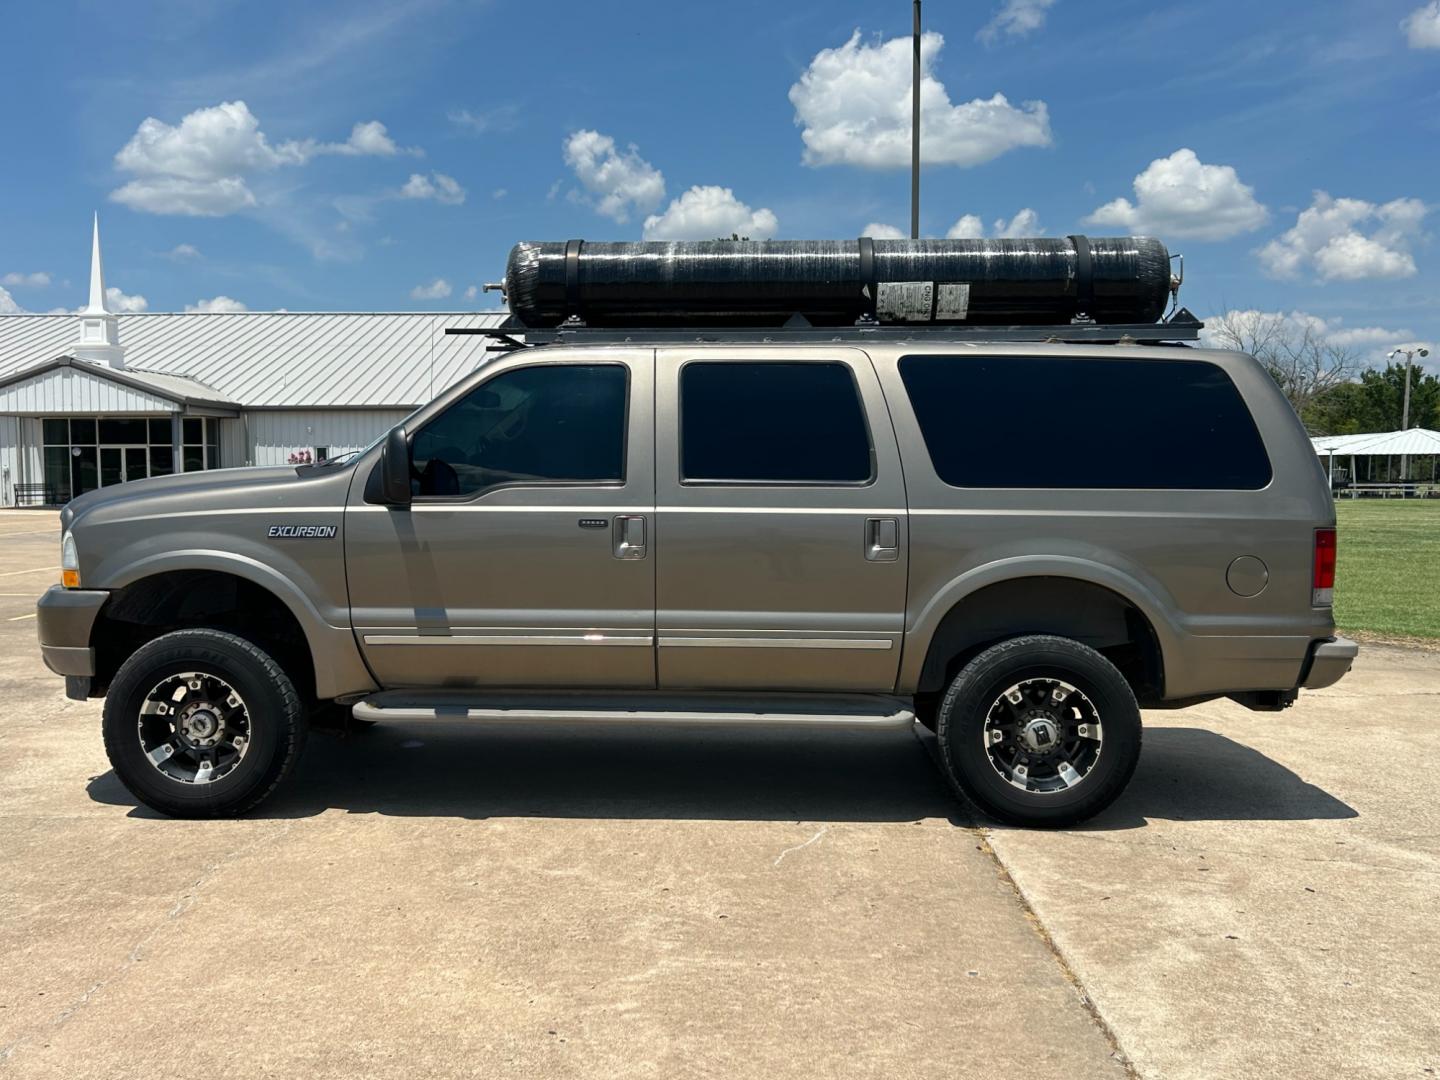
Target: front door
{"points": [[526, 558], [781, 518], [117, 465]]}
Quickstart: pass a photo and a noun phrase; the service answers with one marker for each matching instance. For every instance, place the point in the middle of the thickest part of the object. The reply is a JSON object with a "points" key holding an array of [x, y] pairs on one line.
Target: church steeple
{"points": [[99, 329]]}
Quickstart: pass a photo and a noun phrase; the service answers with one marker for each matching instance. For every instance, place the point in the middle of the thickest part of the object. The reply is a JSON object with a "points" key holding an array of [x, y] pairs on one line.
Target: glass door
{"points": [[135, 463], [112, 465], [84, 469]]}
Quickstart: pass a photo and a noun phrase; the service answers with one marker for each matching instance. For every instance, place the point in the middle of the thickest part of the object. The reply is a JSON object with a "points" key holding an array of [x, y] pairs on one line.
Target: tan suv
{"points": [[1016, 541]]}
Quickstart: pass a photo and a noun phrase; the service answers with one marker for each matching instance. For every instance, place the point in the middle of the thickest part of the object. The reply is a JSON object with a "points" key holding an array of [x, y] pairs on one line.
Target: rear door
{"points": [[781, 528]]}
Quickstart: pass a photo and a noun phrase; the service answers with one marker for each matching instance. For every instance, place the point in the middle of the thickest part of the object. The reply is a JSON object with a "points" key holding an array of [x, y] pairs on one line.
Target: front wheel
{"points": [[200, 723], [1039, 730]]}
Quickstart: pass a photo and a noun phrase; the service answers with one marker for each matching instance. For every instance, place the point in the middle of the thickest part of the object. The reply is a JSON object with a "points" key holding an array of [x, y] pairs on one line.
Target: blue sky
{"points": [[373, 156]]}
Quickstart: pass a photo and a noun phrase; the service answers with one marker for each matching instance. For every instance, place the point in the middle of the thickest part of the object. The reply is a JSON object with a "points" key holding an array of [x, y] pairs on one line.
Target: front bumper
{"points": [[65, 617], [1328, 662]]}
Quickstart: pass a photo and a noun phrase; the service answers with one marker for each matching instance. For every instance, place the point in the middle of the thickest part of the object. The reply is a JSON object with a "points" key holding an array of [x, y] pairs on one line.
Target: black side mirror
{"points": [[395, 468]]}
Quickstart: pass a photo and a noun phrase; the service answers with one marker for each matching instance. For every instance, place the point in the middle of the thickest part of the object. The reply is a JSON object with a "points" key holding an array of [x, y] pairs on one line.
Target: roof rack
{"points": [[1180, 327]]}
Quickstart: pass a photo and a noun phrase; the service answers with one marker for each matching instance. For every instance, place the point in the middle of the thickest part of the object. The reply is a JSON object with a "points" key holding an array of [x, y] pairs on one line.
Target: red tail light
{"points": [[1323, 587]]}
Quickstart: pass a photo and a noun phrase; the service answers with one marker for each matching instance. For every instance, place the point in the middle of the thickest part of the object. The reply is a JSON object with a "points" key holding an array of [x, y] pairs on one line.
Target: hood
{"points": [[216, 489]]}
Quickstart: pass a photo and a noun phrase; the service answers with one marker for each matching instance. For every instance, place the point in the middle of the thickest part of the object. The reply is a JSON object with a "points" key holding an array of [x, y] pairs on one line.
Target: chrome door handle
{"points": [[882, 539], [629, 536]]}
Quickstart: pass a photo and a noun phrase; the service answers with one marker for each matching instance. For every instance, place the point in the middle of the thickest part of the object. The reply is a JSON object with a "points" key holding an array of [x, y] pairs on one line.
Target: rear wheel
{"points": [[1039, 730], [200, 723]]}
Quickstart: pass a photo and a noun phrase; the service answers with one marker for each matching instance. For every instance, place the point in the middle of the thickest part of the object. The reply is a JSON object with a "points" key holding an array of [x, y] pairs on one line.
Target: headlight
{"points": [[69, 563]]}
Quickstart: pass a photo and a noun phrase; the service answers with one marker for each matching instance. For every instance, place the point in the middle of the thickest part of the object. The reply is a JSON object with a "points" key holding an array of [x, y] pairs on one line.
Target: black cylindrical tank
{"points": [[836, 282]]}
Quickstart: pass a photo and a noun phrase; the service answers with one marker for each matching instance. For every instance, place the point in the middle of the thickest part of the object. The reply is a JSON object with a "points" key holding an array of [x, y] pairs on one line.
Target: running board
{"points": [[818, 710]]}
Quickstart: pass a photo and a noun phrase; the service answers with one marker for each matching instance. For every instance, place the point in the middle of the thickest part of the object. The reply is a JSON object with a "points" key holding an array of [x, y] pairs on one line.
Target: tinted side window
{"points": [[1052, 422], [760, 423], [549, 424]]}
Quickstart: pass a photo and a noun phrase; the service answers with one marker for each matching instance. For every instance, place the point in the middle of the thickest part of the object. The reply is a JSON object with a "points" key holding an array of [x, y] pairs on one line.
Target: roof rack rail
{"points": [[1180, 327]]}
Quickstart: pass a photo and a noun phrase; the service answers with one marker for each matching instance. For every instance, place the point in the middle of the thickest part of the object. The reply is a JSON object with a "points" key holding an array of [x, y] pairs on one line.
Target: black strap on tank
{"points": [[572, 276], [1084, 276], [867, 271]]}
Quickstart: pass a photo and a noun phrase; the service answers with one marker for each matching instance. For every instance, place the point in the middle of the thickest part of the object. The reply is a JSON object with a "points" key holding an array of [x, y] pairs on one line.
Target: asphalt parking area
{"points": [[425, 900]]}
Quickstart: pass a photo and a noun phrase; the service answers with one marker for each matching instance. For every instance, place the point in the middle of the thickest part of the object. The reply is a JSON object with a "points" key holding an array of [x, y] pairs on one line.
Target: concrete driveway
{"points": [[424, 900]]}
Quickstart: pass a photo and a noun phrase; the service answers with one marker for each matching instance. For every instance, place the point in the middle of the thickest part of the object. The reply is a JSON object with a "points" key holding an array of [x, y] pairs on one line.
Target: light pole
{"points": [[915, 130], [1409, 355]]}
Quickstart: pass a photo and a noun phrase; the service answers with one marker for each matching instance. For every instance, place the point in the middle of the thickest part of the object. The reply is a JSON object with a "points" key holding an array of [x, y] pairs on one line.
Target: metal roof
{"points": [[1413, 441], [265, 359], [175, 388]]}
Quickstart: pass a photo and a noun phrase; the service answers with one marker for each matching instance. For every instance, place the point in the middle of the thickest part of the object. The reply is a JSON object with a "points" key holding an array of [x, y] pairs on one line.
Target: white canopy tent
{"points": [[1389, 444]]}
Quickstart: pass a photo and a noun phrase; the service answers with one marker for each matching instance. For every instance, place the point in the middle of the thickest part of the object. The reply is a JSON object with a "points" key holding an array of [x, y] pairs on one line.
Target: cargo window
{"points": [[547, 424], [765, 423], [1063, 422]]}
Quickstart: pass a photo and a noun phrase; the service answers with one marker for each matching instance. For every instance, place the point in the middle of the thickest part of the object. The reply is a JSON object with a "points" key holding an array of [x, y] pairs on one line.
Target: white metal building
{"points": [[95, 398]]}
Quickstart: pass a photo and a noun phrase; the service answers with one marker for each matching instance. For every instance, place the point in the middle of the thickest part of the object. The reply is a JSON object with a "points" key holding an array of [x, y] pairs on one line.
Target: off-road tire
{"points": [[960, 730], [276, 716]]}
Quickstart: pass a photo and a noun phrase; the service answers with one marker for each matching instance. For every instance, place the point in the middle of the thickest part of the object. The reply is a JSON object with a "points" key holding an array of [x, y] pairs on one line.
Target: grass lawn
{"points": [[1387, 580]]}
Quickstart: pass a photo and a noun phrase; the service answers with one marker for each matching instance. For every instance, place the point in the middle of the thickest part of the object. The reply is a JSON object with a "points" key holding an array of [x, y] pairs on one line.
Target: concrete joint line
{"points": [[1027, 909]]}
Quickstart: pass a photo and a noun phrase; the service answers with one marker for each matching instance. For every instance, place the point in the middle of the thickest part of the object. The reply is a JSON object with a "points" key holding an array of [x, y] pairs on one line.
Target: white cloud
{"points": [[437, 186], [1181, 196], [499, 193], [1026, 222], [498, 119], [116, 300], [1371, 341], [704, 213], [200, 167], [183, 252], [968, 227], [438, 289], [217, 303], [194, 198], [853, 106], [1015, 19], [8, 306], [1347, 240], [471, 292], [37, 280], [620, 181], [369, 138], [1422, 26], [878, 230]]}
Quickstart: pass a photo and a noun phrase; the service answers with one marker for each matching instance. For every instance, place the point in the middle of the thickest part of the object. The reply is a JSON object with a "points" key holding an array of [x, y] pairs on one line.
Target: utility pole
{"points": [[915, 133], [1409, 355]]}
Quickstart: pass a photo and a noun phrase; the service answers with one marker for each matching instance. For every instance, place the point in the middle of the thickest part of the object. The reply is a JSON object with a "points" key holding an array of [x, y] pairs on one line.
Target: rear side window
{"points": [[548, 424], [760, 423], [1055, 422]]}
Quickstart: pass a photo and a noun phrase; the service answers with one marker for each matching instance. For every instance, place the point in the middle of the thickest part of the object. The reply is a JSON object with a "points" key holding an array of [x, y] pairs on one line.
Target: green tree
{"points": [[1386, 390], [1375, 403]]}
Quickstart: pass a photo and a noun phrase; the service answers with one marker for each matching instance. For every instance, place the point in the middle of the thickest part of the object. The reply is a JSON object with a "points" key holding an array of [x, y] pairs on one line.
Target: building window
{"points": [[201, 447], [81, 453]]}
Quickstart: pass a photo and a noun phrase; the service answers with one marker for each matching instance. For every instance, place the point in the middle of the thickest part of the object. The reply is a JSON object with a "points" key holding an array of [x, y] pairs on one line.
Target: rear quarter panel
{"points": [[1167, 551]]}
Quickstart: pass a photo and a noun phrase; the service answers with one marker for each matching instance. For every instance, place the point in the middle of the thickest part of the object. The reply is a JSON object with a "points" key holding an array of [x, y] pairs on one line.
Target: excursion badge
{"points": [[301, 532]]}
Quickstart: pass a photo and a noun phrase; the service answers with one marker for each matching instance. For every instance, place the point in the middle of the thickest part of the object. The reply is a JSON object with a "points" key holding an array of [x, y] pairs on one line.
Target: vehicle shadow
{"points": [[561, 770], [1189, 774], [569, 771]]}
